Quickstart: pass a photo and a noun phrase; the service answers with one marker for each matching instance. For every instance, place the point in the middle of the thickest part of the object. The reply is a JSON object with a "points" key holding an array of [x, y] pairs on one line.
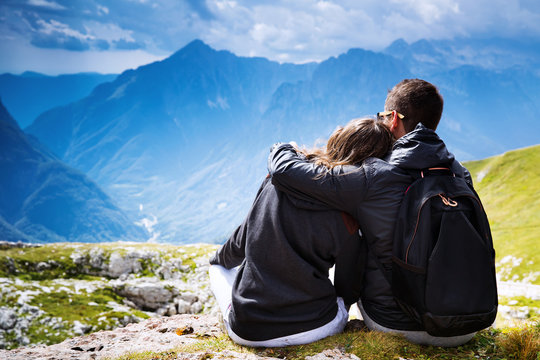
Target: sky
{"points": [[110, 36]]}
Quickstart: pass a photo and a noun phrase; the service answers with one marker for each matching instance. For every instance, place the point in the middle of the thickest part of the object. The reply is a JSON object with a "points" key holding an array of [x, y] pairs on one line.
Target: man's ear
{"points": [[397, 128], [394, 124]]}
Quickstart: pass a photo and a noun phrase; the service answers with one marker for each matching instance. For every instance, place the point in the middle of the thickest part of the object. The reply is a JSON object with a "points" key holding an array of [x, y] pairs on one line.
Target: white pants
{"points": [[417, 337], [221, 281]]}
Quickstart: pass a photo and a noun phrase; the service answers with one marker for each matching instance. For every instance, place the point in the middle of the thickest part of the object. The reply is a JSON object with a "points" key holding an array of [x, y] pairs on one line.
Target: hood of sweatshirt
{"points": [[420, 149]]}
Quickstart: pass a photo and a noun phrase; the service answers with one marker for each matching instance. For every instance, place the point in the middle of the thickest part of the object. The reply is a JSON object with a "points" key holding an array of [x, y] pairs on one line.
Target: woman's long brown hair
{"points": [[353, 143]]}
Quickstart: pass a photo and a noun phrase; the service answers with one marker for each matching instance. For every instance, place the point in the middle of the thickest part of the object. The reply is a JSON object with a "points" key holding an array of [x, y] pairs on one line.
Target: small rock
{"points": [[145, 294], [184, 330], [41, 266], [8, 318], [80, 328], [119, 265], [332, 354], [190, 298], [171, 310], [162, 311], [196, 308], [183, 307], [96, 257], [130, 303]]}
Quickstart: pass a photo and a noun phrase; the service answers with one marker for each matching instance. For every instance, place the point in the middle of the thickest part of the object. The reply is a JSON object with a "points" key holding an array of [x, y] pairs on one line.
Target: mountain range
{"points": [[28, 95], [181, 144], [43, 200]]}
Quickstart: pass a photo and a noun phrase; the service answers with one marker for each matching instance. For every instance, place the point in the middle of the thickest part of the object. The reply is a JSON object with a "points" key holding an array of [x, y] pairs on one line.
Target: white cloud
{"points": [[55, 27], [103, 10], [429, 11], [108, 31], [46, 4], [60, 61], [311, 29], [293, 31], [219, 103]]}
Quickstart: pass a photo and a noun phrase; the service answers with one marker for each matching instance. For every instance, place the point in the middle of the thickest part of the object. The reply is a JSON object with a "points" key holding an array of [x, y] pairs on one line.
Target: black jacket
{"points": [[371, 193], [285, 248]]}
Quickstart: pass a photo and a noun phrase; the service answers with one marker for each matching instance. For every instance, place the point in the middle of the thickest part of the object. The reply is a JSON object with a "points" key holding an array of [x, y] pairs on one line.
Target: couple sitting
{"points": [[271, 278]]}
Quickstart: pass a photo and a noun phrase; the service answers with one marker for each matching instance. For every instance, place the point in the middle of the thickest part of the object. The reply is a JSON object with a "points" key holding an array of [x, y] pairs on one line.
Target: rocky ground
{"points": [[54, 292], [63, 291], [158, 335]]}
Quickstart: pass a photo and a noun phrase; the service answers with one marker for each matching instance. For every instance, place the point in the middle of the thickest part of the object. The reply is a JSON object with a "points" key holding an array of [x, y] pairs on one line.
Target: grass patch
{"points": [[509, 186], [519, 301], [147, 268], [47, 262], [22, 262], [9, 339], [521, 343], [43, 334], [53, 261], [189, 253], [70, 306], [7, 298]]}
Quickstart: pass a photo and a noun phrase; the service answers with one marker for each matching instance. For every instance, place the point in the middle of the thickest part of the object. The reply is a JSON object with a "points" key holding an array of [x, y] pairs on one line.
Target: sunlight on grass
{"points": [[509, 187]]}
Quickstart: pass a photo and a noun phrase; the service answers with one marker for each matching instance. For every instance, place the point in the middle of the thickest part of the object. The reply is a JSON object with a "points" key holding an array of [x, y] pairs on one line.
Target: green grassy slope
{"points": [[509, 187]]}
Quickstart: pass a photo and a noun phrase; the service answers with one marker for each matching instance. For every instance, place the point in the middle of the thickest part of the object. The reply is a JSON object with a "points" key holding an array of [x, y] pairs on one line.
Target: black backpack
{"points": [[443, 270]]}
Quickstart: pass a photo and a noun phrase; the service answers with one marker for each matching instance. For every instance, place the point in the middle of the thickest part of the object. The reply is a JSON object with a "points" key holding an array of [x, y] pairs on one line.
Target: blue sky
{"points": [[109, 36]]}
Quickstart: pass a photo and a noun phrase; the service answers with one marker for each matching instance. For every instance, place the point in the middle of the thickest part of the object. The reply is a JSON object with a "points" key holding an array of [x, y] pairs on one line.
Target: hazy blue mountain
{"points": [[425, 57], [488, 112], [28, 95], [182, 143], [43, 200], [341, 88], [157, 137]]}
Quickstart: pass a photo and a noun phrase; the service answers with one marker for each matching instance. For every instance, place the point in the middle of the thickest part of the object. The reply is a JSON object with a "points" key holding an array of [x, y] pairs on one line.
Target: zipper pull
{"points": [[448, 202]]}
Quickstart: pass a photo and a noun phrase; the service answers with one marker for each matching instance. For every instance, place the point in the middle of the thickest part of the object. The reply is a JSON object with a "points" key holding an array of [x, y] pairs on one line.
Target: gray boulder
{"points": [[8, 318], [146, 295]]}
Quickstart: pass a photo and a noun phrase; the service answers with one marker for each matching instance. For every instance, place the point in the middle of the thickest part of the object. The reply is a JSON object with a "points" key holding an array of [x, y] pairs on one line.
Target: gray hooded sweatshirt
{"points": [[285, 249]]}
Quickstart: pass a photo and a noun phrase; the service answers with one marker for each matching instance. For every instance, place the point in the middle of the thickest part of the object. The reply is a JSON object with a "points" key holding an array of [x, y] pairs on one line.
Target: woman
{"points": [[281, 294]]}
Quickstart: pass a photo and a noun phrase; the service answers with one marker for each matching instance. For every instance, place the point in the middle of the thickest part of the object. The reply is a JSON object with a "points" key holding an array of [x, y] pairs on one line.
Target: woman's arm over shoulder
{"points": [[342, 188]]}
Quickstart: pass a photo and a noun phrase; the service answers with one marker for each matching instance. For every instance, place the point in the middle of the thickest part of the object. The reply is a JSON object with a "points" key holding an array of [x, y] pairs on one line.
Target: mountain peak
{"points": [[197, 44], [196, 47], [33, 74], [398, 45]]}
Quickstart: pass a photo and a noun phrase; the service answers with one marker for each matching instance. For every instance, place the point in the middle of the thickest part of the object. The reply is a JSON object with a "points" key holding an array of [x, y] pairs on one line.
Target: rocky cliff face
{"points": [[53, 292]]}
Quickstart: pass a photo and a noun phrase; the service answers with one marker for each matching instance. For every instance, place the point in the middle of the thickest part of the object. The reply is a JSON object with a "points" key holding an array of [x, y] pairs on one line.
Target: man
{"points": [[372, 193]]}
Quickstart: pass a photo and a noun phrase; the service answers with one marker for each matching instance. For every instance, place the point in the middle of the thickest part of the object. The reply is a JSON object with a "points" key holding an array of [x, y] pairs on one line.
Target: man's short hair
{"points": [[418, 100]]}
